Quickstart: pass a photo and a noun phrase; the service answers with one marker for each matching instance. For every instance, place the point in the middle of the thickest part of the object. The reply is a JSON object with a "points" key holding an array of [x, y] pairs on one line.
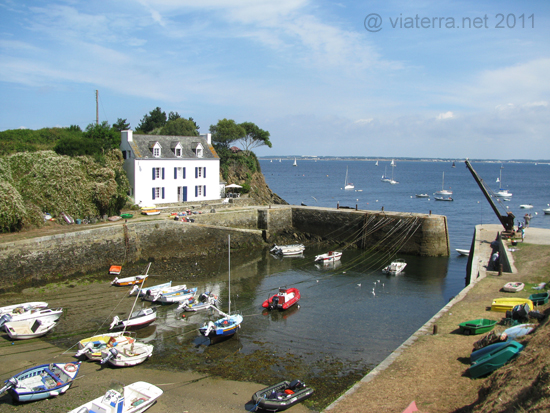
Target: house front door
{"points": [[182, 193]]}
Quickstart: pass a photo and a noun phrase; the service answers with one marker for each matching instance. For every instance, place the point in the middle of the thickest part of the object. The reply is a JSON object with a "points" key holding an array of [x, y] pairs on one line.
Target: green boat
{"points": [[479, 326], [497, 357], [539, 298], [126, 216]]}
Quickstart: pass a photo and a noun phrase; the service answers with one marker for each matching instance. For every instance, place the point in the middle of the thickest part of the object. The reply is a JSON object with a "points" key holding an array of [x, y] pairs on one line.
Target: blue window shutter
{"points": [[196, 191], [196, 172], [162, 173], [153, 193], [204, 170], [175, 173], [183, 172], [204, 190], [162, 192], [153, 175]]}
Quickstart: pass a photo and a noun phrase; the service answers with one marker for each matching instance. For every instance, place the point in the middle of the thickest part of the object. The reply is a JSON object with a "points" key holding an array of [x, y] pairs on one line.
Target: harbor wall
{"points": [[93, 249]]}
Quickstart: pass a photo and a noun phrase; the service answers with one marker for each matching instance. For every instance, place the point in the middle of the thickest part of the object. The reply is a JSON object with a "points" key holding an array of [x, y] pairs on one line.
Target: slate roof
{"points": [[142, 145]]}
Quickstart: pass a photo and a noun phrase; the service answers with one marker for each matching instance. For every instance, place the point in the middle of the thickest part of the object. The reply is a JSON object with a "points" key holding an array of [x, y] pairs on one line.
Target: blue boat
{"points": [[494, 359], [41, 382], [519, 330]]}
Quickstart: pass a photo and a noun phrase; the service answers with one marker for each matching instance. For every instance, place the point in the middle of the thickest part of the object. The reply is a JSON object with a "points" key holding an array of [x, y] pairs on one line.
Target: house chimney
{"points": [[126, 135], [208, 137]]}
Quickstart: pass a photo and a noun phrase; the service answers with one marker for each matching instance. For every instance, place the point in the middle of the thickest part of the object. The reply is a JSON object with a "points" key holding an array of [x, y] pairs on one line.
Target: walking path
{"points": [[430, 367]]}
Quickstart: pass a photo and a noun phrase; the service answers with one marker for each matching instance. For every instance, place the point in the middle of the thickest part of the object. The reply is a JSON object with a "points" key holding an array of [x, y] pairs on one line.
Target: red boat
{"points": [[285, 298]]}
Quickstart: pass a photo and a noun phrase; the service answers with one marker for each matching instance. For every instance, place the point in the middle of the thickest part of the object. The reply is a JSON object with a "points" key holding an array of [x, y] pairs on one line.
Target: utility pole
{"points": [[96, 107]]}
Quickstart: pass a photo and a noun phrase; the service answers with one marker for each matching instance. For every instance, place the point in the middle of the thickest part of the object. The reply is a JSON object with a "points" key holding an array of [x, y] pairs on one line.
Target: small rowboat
{"points": [[507, 304], [539, 299], [92, 347], [205, 301], [26, 329], [282, 395], [21, 308], [479, 326], [138, 279], [41, 382], [44, 314], [495, 359], [134, 398], [463, 252], [126, 216], [293, 249], [513, 287], [284, 299], [150, 212], [330, 256], [115, 269], [127, 355], [137, 319]]}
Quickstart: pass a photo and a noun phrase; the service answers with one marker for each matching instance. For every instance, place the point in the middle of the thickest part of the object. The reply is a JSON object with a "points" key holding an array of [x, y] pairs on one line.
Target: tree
{"points": [[225, 132], [121, 124], [155, 119], [107, 137], [173, 116], [254, 137], [180, 127]]}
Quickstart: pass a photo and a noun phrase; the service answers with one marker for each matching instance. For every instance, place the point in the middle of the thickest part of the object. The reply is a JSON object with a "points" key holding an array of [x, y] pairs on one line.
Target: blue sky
{"points": [[308, 72]]}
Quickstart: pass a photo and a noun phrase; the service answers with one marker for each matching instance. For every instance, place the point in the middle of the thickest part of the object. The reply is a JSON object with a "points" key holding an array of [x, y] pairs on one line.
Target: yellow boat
{"points": [[92, 347], [507, 304]]}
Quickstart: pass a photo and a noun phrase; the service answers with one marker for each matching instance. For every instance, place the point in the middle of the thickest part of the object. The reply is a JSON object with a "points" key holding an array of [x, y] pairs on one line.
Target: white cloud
{"points": [[446, 115]]}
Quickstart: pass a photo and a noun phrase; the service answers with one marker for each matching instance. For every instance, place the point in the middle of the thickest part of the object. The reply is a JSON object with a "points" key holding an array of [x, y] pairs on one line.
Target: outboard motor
{"points": [[116, 320], [274, 303], [296, 385], [85, 349], [112, 353], [11, 383], [6, 318]]}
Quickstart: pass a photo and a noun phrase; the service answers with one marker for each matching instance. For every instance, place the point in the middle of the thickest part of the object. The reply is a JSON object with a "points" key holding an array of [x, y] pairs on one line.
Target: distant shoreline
{"points": [[367, 159]]}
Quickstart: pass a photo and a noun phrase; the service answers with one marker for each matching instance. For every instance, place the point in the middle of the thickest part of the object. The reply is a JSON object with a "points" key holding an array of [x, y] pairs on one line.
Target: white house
{"points": [[170, 169]]}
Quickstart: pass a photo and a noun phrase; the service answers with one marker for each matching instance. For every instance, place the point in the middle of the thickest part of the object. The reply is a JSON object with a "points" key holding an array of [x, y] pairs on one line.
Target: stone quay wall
{"points": [[95, 248]]}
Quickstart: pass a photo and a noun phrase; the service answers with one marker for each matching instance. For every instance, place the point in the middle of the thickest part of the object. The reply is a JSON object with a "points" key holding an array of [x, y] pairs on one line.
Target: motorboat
{"points": [[134, 398], [137, 279], [441, 198], [44, 314], [395, 267], [92, 347], [143, 290], [330, 256], [41, 382], [444, 192], [21, 308], [546, 211], [508, 303], [513, 287], [31, 328], [174, 294], [138, 319], [494, 359], [127, 355], [284, 299], [150, 212], [205, 301], [463, 252], [348, 185], [422, 196], [293, 249], [282, 395], [526, 206]]}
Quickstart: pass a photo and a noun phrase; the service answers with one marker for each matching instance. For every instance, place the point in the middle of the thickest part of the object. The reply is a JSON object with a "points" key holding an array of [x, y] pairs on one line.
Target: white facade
{"points": [[170, 169]]}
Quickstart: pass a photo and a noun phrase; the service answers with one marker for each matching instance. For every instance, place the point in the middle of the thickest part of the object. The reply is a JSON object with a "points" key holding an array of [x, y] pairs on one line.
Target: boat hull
{"points": [[330, 256], [283, 300], [507, 304], [138, 279], [513, 287], [478, 326], [495, 359], [277, 397], [539, 299]]}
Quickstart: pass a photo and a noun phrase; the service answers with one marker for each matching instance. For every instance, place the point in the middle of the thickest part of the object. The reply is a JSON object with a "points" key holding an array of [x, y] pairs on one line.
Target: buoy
{"points": [[183, 316]]}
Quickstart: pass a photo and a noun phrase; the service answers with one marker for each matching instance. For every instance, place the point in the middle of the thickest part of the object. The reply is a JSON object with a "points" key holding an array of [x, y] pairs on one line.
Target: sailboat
{"points": [[501, 191], [392, 181], [376, 164], [348, 185], [229, 324], [385, 177], [295, 164], [443, 192], [279, 159]]}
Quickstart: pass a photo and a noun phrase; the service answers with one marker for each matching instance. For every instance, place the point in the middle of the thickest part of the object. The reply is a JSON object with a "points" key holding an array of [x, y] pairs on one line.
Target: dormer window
{"points": [[199, 151], [155, 149], [177, 149]]}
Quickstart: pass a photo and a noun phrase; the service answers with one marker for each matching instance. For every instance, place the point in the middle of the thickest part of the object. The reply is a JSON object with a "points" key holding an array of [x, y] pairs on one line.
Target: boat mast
{"points": [[138, 293], [229, 268]]}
